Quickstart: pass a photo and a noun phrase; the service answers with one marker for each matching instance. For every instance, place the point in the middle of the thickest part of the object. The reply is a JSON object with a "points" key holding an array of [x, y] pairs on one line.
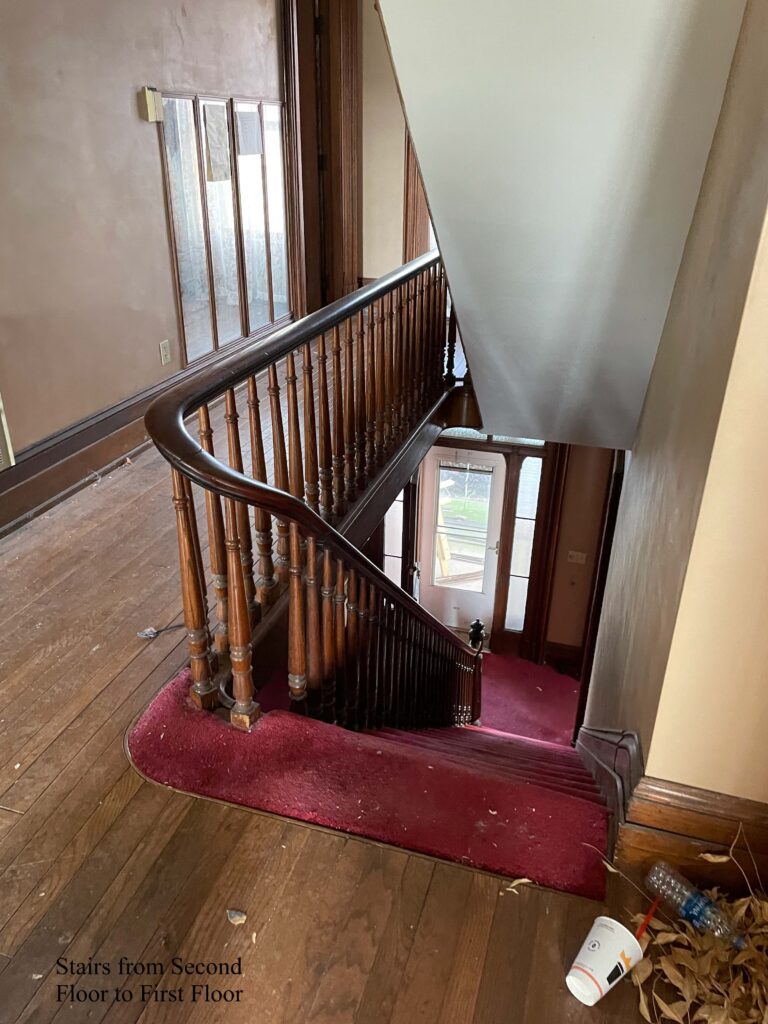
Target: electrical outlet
{"points": [[165, 352], [577, 557]]}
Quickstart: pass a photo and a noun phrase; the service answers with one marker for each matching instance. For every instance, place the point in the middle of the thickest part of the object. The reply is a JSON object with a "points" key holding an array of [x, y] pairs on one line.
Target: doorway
{"points": [[459, 537]]}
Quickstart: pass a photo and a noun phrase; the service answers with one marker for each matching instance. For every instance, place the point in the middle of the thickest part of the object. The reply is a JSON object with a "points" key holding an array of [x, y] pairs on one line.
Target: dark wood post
{"points": [[324, 431], [349, 414], [203, 690], [243, 524], [297, 640], [282, 558], [337, 436], [245, 710], [266, 583], [216, 547], [360, 478], [328, 694], [314, 631], [311, 472]]}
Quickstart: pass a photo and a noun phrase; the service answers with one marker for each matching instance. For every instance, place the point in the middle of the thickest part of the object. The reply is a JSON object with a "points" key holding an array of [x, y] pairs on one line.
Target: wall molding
{"points": [[677, 823], [615, 759], [564, 658]]}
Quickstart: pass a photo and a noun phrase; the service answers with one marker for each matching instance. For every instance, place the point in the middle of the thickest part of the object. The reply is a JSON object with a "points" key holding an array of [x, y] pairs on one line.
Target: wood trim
{"points": [[340, 121], [674, 822], [600, 575], [545, 538], [415, 209], [504, 562], [59, 465], [615, 759], [292, 155], [565, 658]]}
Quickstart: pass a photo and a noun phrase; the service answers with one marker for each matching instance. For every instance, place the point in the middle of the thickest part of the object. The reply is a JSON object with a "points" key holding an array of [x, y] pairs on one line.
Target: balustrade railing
{"points": [[314, 412]]}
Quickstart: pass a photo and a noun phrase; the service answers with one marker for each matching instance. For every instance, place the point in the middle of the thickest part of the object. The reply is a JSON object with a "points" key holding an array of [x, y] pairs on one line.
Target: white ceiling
{"points": [[562, 145]]}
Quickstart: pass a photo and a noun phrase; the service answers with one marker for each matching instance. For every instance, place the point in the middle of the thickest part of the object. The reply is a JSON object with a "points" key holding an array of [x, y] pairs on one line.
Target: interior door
{"points": [[462, 495]]}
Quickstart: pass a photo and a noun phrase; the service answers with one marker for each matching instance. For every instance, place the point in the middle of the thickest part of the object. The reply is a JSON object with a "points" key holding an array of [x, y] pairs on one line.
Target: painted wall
{"points": [[712, 724], [562, 147], [665, 481], [86, 293], [586, 484], [383, 152]]}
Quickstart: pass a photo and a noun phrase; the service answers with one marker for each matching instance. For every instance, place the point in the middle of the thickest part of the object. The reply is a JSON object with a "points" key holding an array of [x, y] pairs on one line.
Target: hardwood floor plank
{"points": [[34, 958], [428, 969], [471, 948], [159, 831], [383, 983]]}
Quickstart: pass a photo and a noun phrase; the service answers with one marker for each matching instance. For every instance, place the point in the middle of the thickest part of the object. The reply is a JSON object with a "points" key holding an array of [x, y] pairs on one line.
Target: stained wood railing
{"points": [[341, 391]]}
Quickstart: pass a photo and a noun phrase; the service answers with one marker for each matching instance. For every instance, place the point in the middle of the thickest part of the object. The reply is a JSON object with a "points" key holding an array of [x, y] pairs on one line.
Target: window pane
{"points": [[518, 594], [393, 530], [393, 568], [221, 219], [249, 167], [522, 546], [461, 529], [184, 181], [273, 147], [528, 488]]}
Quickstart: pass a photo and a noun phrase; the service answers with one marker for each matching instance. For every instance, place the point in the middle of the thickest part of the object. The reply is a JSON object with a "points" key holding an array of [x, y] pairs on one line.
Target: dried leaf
{"points": [[675, 1012], [663, 937], [643, 1007], [642, 971], [671, 972]]}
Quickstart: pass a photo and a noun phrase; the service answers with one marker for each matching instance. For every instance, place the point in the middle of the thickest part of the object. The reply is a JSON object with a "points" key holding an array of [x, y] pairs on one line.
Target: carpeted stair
{"points": [[503, 756], [509, 804]]}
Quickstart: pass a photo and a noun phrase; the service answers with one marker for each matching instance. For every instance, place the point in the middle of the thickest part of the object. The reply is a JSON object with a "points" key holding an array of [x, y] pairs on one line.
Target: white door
{"points": [[462, 494]]}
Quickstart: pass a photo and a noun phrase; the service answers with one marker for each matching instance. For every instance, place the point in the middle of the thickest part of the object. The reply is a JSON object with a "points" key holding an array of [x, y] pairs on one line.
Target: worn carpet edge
{"points": [[310, 771]]}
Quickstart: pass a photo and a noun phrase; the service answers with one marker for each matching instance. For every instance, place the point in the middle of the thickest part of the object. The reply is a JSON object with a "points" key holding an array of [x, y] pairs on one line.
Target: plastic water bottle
{"points": [[691, 905]]}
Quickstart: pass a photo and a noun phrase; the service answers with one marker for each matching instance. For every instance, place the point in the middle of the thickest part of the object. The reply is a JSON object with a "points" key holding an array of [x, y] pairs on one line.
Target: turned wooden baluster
{"points": [[350, 702], [372, 696], [380, 392], [243, 524], [266, 583], [340, 632], [217, 549], [311, 470], [450, 376], [295, 462], [388, 344], [362, 656], [314, 631], [360, 417], [297, 634], [282, 556], [203, 690], [406, 359], [430, 329], [245, 710], [324, 431], [337, 435], [414, 350], [370, 394], [397, 365], [349, 413], [328, 689]]}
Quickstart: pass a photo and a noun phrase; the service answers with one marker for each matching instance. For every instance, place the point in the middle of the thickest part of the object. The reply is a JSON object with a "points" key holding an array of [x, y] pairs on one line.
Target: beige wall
{"points": [[86, 292], [586, 483], [712, 724], [383, 152], [665, 481]]}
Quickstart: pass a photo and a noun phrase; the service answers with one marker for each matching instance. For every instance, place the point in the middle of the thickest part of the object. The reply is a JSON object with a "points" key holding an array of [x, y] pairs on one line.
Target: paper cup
{"points": [[609, 952]]}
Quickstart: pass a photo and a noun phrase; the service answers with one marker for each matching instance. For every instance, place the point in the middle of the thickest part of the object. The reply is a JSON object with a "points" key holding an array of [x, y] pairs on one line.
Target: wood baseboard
{"points": [[615, 759], [564, 658], [677, 823]]}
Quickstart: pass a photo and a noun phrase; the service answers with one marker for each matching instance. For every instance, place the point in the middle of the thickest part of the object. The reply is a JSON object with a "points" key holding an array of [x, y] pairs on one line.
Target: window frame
{"points": [[263, 330]]}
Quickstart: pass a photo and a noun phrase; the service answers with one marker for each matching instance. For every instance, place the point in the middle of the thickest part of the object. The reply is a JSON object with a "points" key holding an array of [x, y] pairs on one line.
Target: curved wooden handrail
{"points": [[166, 427]]}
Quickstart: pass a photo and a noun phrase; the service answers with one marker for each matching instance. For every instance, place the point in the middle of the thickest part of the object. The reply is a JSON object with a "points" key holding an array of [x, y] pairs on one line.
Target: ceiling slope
{"points": [[562, 145]]}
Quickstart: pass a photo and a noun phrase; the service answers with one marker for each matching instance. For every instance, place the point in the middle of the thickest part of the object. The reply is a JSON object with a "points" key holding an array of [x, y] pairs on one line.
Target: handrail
{"points": [[165, 425]]}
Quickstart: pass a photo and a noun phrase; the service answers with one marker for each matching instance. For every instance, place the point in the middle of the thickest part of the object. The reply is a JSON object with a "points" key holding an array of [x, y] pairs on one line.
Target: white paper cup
{"points": [[609, 952]]}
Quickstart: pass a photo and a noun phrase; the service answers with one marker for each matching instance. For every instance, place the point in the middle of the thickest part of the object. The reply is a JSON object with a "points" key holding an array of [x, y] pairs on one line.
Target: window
{"points": [[228, 213], [393, 540], [522, 542], [461, 526]]}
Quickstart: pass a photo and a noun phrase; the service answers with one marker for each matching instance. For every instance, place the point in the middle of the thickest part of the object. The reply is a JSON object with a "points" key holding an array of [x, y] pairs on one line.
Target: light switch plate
{"points": [[165, 352], [577, 557]]}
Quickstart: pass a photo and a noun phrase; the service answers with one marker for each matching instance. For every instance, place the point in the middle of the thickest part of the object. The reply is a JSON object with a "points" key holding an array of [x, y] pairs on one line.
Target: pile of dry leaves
{"points": [[711, 980]]}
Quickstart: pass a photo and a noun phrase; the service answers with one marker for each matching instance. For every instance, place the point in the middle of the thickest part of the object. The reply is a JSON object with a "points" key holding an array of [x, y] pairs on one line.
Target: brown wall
{"points": [[664, 484], [86, 293], [586, 483]]}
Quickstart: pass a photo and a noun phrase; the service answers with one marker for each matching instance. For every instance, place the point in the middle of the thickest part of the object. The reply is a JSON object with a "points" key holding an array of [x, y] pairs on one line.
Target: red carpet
{"points": [[528, 700], [504, 804]]}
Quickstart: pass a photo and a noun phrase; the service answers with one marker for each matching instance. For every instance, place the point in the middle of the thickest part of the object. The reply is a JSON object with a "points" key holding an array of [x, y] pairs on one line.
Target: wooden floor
{"points": [[97, 865]]}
